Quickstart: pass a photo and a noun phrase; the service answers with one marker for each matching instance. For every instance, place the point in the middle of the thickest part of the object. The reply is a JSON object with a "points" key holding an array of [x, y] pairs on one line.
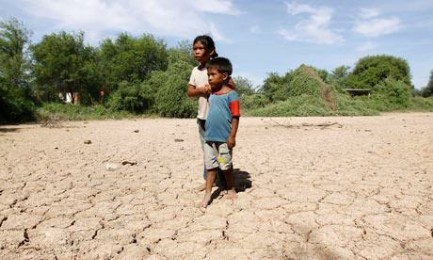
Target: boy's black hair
{"points": [[222, 64]]}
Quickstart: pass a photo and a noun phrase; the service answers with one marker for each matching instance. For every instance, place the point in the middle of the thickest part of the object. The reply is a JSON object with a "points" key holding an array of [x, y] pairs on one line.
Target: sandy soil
{"points": [[308, 188]]}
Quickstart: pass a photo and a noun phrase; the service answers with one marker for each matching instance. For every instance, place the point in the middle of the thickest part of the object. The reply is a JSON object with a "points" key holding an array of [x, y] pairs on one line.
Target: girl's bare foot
{"points": [[201, 187], [206, 200], [231, 194]]}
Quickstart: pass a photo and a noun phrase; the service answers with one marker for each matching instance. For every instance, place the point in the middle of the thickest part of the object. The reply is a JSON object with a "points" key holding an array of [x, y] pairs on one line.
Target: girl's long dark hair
{"points": [[208, 44]]}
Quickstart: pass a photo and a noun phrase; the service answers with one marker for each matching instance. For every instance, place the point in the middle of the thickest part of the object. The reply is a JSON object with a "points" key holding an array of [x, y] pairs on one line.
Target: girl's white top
{"points": [[198, 78]]}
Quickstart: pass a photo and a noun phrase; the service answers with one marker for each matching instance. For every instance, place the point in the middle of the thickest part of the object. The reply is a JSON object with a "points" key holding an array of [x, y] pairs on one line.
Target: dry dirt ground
{"points": [[308, 188]]}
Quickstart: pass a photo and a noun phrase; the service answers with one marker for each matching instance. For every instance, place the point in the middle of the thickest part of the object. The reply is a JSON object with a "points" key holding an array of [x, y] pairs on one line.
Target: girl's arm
{"points": [[231, 83], [194, 91]]}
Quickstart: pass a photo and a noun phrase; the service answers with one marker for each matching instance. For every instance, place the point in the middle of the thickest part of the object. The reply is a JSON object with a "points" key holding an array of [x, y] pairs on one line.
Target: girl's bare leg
{"points": [[202, 187], [210, 180]]}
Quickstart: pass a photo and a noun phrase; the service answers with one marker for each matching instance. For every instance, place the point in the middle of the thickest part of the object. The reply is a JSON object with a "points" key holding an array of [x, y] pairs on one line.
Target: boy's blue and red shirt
{"points": [[222, 108]]}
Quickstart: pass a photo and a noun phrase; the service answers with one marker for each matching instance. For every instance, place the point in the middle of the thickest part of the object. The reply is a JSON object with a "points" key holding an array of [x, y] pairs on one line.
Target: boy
{"points": [[221, 126]]}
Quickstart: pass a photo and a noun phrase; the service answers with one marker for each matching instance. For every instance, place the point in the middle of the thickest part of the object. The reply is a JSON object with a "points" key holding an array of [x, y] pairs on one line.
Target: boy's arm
{"points": [[231, 142], [201, 91]]}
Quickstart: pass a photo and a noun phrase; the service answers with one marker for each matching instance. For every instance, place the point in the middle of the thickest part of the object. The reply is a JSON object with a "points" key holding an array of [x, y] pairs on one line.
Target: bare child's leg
{"points": [[210, 180], [231, 192], [202, 187]]}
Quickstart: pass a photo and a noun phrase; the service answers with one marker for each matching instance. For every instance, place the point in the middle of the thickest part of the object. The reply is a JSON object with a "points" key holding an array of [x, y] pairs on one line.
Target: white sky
{"points": [[258, 36]]}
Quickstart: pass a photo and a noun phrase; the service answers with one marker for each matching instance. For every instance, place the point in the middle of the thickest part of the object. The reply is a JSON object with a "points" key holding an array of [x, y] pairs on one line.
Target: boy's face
{"points": [[216, 78]]}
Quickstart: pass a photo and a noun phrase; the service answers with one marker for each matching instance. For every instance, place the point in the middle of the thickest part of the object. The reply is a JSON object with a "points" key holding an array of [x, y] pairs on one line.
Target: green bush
{"points": [[302, 105], [171, 98], [275, 87], [371, 71], [307, 81], [392, 95], [132, 97], [354, 106], [421, 104], [16, 110], [62, 111], [253, 101]]}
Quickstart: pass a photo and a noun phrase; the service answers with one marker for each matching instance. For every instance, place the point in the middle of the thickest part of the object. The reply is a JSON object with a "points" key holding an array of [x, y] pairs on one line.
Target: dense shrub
{"points": [[61, 111], [427, 91], [392, 94], [302, 105], [135, 98], [275, 87], [244, 86], [16, 109], [171, 99], [307, 81], [253, 101], [421, 104], [373, 70], [354, 106]]}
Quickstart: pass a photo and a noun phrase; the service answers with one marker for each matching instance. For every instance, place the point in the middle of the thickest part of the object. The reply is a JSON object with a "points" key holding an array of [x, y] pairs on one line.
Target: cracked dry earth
{"points": [[308, 188]]}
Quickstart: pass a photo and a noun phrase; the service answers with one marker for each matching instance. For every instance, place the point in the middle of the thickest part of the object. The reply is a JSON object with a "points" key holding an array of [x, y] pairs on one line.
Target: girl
{"points": [[198, 86]]}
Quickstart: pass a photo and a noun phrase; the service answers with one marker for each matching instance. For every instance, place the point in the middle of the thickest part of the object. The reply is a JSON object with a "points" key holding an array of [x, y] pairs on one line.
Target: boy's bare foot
{"points": [[231, 195], [206, 200]]}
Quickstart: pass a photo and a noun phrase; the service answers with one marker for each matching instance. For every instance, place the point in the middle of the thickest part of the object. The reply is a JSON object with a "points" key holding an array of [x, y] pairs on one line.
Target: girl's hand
{"points": [[205, 90], [208, 89]]}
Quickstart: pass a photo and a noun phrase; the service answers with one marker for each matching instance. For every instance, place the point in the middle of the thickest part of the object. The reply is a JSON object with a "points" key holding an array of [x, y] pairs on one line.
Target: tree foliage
{"points": [[137, 98], [182, 52], [244, 86], [163, 92], [15, 101], [131, 59], [141, 75], [64, 64], [371, 71], [13, 62], [307, 81], [338, 76], [276, 87], [427, 91], [171, 99], [392, 94]]}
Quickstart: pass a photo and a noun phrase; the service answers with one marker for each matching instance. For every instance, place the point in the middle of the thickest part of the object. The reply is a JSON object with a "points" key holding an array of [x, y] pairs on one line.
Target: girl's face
{"points": [[201, 54]]}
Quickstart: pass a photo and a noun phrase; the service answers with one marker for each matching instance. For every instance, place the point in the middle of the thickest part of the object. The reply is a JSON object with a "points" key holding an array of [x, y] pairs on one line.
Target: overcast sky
{"points": [[258, 36]]}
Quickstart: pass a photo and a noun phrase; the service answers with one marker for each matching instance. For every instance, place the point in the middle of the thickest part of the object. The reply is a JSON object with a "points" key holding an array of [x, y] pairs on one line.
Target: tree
{"points": [[131, 59], [163, 91], [182, 52], [171, 99], [63, 64], [13, 62], [15, 103], [338, 76], [393, 94], [373, 70], [276, 87], [427, 91], [244, 86], [323, 74]]}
